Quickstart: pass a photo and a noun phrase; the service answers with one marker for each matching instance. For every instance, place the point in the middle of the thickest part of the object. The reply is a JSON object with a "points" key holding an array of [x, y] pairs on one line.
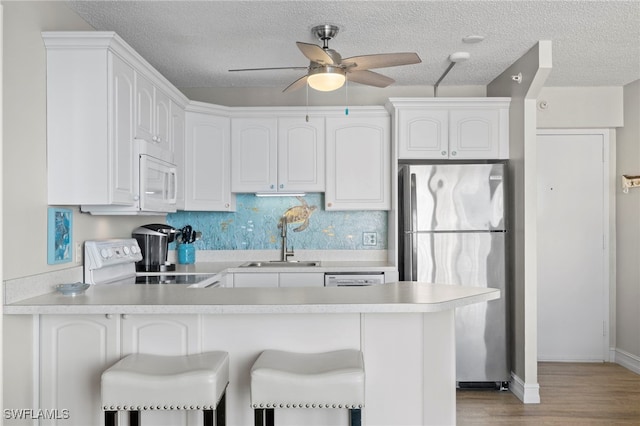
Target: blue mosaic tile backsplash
{"points": [[254, 225]]}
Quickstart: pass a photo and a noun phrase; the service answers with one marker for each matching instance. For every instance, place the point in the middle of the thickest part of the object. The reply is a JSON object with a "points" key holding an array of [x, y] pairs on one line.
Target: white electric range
{"points": [[113, 262]]}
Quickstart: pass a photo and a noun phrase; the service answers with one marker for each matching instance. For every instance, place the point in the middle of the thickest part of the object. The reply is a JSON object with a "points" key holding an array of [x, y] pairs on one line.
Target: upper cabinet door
{"points": [[121, 77], [423, 133], [301, 154], [474, 133], [254, 159], [163, 121], [145, 109], [358, 163], [207, 164]]}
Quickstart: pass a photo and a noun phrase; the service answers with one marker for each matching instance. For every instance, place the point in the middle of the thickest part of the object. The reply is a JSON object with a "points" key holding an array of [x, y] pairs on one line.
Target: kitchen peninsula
{"points": [[405, 330]]}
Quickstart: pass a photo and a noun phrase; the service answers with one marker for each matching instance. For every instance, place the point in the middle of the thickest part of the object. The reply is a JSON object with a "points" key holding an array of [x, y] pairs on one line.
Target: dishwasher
{"points": [[351, 279]]}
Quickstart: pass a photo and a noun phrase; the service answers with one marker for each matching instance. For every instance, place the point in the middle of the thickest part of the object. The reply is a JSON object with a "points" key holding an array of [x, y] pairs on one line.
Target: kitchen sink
{"points": [[280, 263]]}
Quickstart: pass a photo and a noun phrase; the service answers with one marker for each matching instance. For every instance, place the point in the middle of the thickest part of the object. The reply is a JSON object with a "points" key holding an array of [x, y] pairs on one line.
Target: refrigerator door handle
{"points": [[414, 227]]}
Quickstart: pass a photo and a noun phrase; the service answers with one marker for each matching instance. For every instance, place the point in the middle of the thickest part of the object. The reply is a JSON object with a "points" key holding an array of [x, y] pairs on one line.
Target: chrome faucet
{"points": [[285, 254]]}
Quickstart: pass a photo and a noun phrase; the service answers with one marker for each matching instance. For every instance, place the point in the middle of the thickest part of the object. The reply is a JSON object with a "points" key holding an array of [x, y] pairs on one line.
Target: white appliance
{"points": [[353, 279], [155, 181], [453, 231], [113, 262]]}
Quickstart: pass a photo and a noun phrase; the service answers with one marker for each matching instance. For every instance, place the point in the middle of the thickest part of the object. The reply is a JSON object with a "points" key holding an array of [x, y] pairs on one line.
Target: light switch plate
{"points": [[369, 238]]}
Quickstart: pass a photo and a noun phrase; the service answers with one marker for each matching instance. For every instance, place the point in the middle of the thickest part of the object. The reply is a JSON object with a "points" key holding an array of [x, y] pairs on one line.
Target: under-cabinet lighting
{"points": [[280, 194]]}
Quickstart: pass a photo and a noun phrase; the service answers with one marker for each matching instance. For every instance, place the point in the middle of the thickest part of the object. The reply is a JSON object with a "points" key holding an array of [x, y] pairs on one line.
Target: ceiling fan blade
{"points": [[315, 53], [270, 69], [369, 78], [382, 60], [301, 82]]}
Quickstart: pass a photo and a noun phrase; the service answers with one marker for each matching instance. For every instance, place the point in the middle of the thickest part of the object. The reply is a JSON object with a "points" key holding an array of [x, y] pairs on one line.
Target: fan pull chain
{"points": [[346, 96], [307, 116]]}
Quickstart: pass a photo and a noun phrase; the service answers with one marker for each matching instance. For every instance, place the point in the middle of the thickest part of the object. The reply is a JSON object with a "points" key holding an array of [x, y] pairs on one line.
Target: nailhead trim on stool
{"points": [[143, 382], [282, 379]]}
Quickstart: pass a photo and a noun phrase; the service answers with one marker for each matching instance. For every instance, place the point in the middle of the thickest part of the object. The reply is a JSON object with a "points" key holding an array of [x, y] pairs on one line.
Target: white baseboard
{"points": [[528, 393], [627, 360]]}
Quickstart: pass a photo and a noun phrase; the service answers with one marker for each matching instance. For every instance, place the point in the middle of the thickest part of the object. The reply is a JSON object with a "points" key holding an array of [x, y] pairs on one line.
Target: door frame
{"points": [[608, 211]]}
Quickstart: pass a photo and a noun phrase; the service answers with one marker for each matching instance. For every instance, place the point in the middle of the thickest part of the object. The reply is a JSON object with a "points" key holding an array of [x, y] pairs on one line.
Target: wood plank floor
{"points": [[570, 394]]}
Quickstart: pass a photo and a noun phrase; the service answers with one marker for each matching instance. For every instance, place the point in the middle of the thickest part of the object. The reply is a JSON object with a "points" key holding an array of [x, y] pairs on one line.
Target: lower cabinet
{"points": [[275, 279], [76, 349]]}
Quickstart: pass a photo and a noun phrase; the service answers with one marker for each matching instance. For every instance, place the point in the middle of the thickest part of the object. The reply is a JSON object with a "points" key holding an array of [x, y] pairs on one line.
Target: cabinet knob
{"points": [[227, 205], [125, 316], [272, 186], [281, 186], [154, 138], [329, 204], [108, 316], [453, 153], [444, 153], [136, 197]]}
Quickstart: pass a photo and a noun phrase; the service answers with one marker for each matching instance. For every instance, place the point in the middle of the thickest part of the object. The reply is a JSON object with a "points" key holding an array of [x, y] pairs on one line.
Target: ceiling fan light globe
{"points": [[326, 79]]}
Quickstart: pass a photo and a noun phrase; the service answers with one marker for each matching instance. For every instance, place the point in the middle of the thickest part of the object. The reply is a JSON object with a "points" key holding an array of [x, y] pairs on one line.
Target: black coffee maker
{"points": [[154, 240]]}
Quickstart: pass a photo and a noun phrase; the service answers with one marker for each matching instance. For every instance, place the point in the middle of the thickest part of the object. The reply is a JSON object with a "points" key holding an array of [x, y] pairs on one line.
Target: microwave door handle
{"points": [[173, 185]]}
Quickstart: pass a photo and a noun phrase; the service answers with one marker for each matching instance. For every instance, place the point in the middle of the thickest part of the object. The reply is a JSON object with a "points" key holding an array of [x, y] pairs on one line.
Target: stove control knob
{"points": [[126, 250], [104, 253]]}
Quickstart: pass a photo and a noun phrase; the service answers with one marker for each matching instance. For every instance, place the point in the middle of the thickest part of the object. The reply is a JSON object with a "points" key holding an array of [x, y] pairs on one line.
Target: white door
{"points": [[572, 247]]}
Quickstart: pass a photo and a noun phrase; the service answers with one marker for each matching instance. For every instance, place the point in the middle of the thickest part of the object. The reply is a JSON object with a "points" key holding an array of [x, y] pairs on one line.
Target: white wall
{"points": [[628, 235], [24, 164], [534, 66]]}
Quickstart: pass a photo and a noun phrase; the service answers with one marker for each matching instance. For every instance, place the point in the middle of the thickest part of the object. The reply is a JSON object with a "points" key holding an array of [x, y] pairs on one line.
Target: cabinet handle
{"points": [[108, 316], [125, 316], [154, 138], [281, 186], [227, 205], [443, 153], [453, 153], [272, 186], [329, 204]]}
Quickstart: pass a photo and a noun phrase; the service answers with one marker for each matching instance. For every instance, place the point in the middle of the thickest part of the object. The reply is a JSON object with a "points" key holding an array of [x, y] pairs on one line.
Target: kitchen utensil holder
{"points": [[186, 254]]}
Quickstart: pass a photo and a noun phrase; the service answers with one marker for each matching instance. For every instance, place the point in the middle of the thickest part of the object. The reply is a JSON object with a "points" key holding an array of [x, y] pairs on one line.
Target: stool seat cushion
{"points": [[156, 382], [308, 380]]}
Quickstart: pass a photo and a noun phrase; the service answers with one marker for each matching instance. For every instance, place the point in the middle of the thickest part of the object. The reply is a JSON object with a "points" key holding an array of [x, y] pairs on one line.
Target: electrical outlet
{"points": [[369, 238], [78, 252]]}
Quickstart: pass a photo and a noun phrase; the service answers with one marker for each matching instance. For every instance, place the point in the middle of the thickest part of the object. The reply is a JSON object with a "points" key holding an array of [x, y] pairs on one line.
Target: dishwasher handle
{"points": [[353, 279]]}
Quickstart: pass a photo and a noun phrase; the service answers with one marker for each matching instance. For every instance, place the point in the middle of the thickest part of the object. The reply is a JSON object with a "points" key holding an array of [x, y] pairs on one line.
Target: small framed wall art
{"points": [[59, 238]]}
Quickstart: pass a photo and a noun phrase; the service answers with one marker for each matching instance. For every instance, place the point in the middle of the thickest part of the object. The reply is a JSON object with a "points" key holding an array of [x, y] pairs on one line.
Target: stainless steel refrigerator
{"points": [[453, 231]]}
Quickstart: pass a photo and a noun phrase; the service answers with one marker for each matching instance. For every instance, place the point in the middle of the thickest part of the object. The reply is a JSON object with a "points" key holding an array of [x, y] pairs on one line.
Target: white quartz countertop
{"points": [[178, 299]]}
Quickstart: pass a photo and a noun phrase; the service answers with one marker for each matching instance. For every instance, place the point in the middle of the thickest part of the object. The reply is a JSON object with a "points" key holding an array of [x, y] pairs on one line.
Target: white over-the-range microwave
{"points": [[154, 178]]}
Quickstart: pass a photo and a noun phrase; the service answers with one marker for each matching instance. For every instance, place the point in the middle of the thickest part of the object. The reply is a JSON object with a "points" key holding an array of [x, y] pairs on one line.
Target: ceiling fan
{"points": [[328, 71]]}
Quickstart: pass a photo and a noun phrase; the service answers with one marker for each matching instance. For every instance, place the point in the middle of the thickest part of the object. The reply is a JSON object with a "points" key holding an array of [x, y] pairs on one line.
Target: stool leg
{"points": [[258, 417], [221, 410], [355, 417], [270, 414], [208, 417], [110, 418], [134, 418]]}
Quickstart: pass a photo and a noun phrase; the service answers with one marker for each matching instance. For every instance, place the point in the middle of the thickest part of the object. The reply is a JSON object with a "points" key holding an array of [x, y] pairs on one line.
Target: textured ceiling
{"points": [[194, 44]]}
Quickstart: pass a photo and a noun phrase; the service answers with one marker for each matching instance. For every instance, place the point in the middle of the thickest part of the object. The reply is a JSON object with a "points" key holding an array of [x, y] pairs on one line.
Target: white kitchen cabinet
{"points": [[358, 163], [278, 279], [302, 279], [74, 350], [271, 154], [255, 279], [301, 154], [207, 173], [90, 158], [94, 83], [451, 128], [153, 114], [254, 154]]}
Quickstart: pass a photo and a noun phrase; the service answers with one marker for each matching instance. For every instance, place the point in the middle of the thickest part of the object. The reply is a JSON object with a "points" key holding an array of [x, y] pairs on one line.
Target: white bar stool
{"points": [[141, 382], [298, 380]]}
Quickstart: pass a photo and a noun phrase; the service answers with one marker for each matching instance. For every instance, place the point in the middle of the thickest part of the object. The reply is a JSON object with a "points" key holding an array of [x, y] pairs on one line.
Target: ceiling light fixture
{"points": [[326, 78]]}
